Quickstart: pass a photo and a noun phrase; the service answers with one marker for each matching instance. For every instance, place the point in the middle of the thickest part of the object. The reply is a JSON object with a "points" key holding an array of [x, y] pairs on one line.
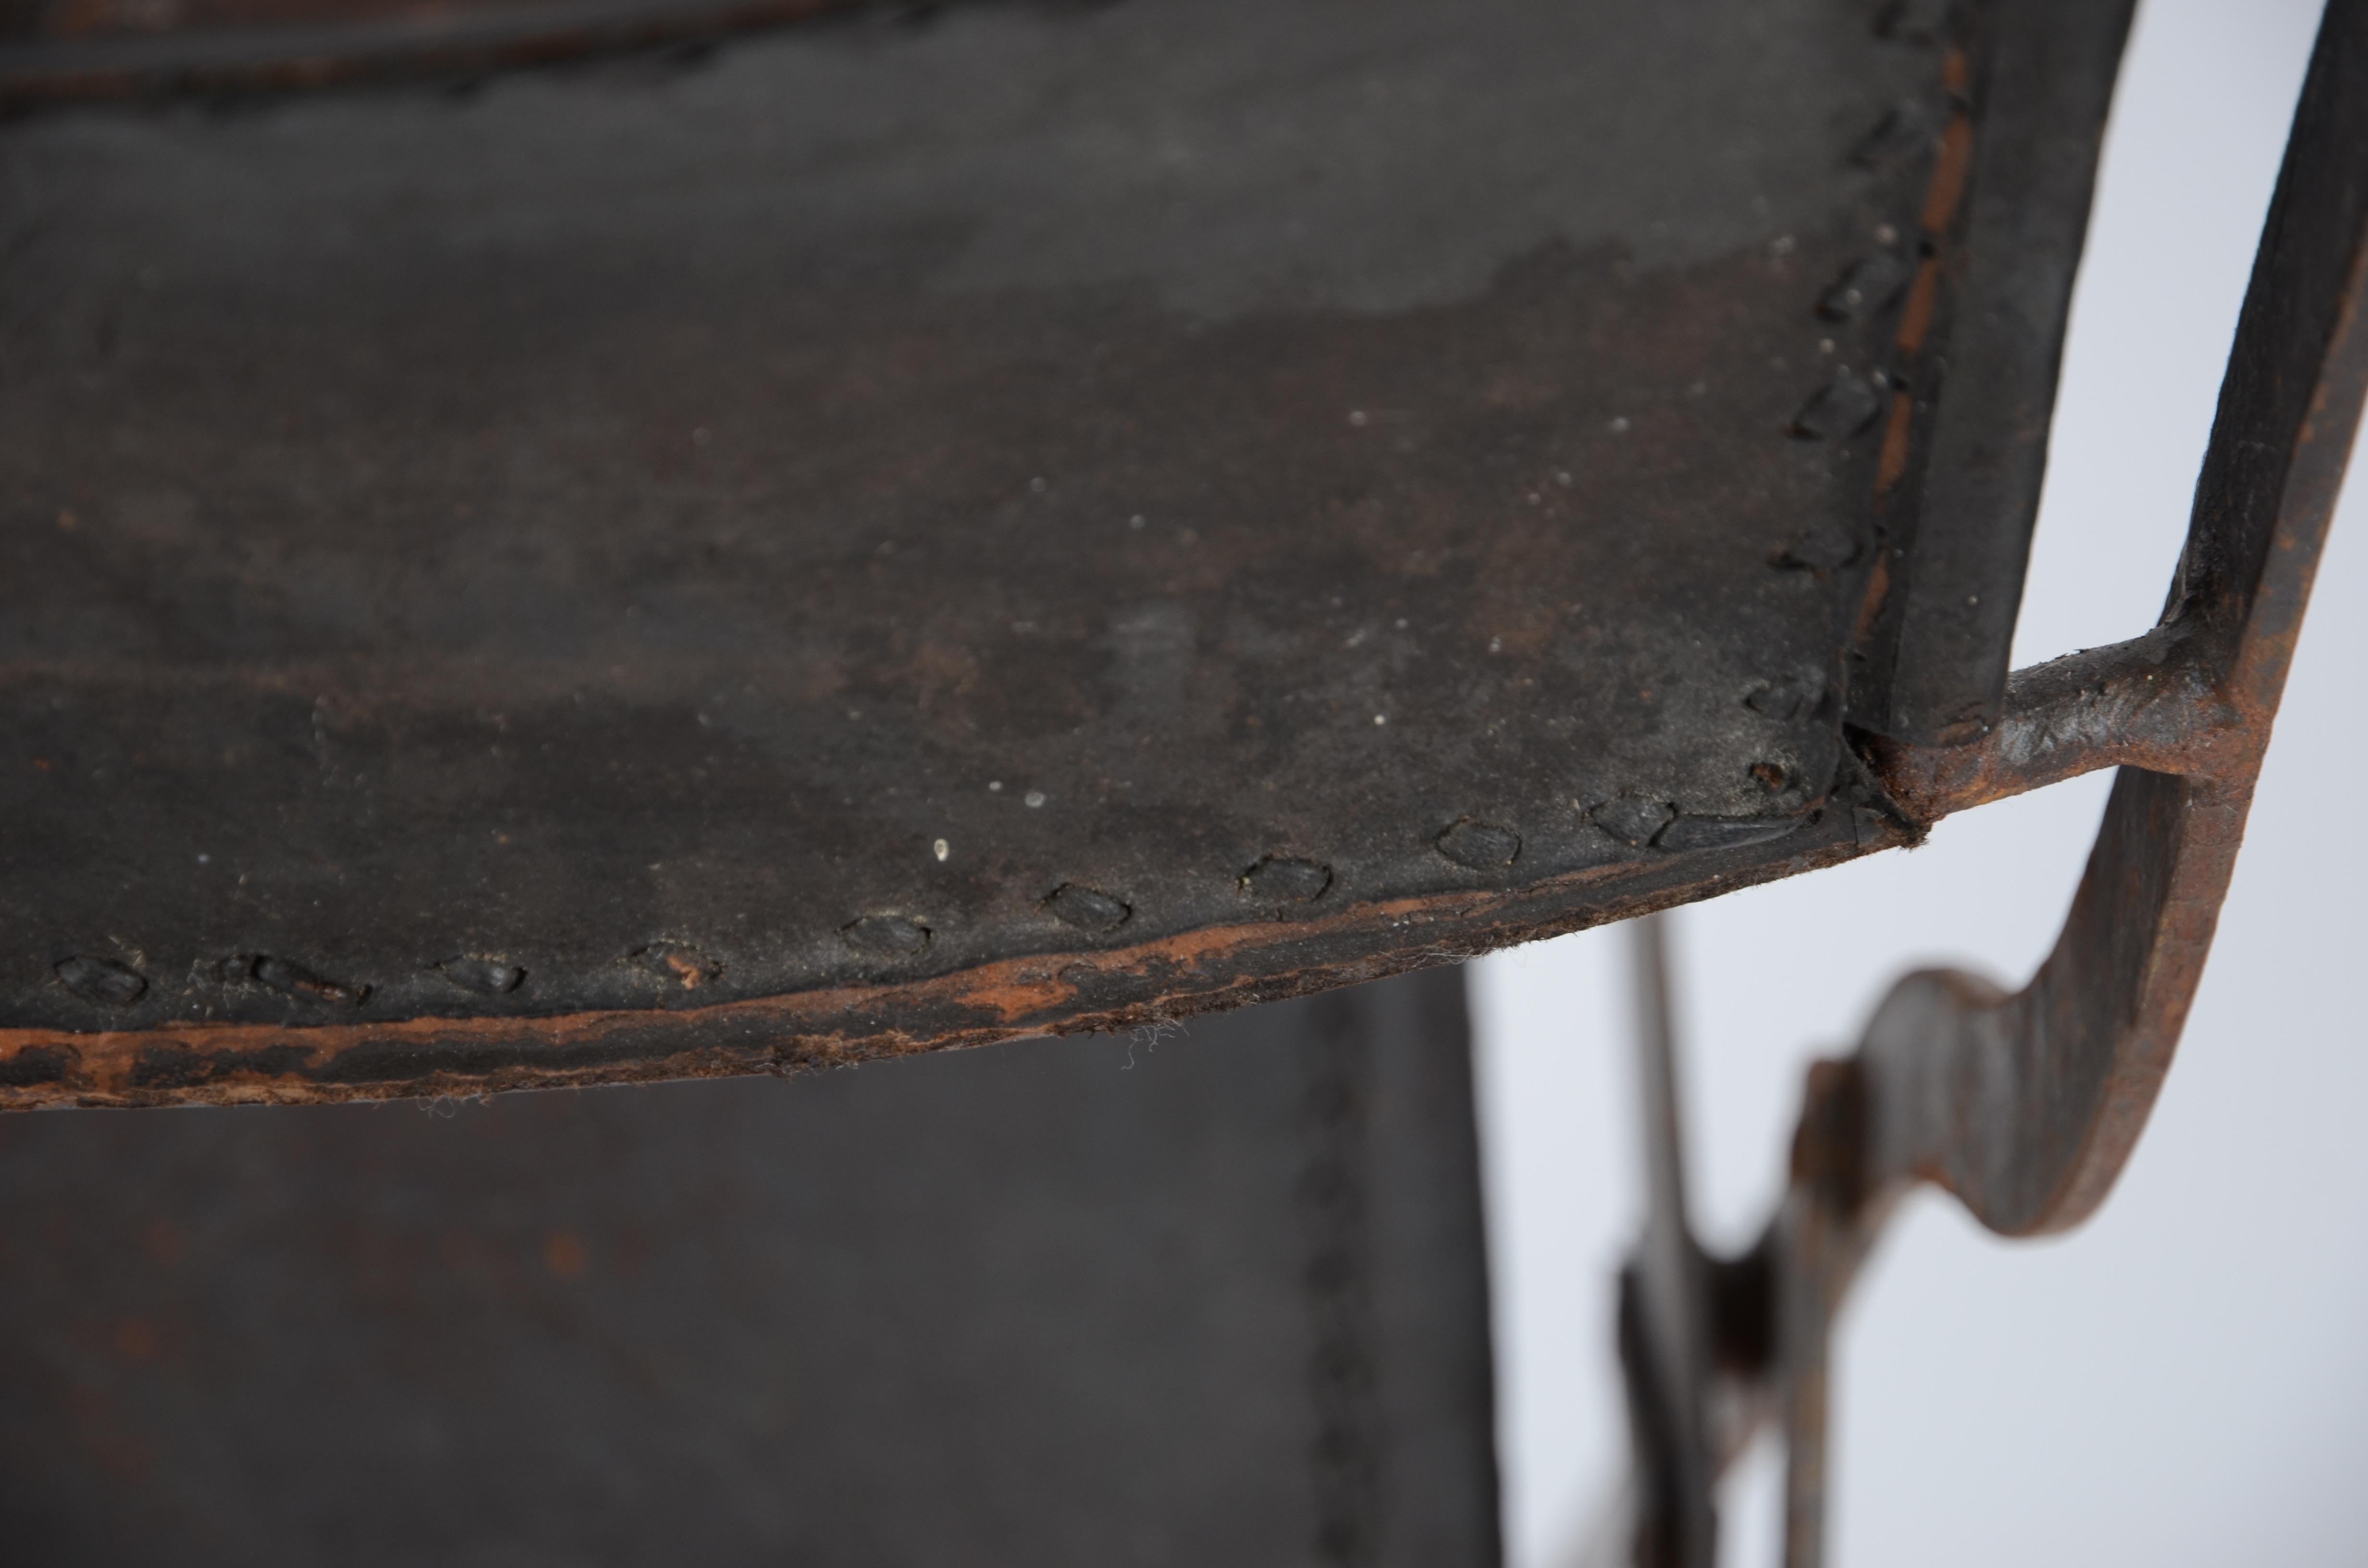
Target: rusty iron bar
{"points": [[2026, 1106]]}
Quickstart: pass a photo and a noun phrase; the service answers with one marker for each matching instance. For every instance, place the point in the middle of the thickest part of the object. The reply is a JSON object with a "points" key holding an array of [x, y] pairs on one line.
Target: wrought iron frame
{"points": [[2025, 1106]]}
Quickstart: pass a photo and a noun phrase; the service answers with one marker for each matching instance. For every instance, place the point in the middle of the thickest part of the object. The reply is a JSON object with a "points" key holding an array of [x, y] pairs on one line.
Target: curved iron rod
{"points": [[2026, 1106]]}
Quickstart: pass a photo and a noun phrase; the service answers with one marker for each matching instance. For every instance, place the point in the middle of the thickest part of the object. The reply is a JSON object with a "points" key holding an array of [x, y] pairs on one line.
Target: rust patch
{"points": [[1893, 461], [1948, 186], [1923, 298], [1956, 70]]}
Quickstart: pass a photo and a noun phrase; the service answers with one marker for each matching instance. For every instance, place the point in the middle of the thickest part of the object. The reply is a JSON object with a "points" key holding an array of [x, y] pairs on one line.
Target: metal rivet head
{"points": [[291, 979], [1479, 846], [486, 977], [1634, 819], [101, 979], [1278, 880], [1088, 909], [1842, 407], [887, 935], [1825, 547], [1871, 283], [1907, 127]]}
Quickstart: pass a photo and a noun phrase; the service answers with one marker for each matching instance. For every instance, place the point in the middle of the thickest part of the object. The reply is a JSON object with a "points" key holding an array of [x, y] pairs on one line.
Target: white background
{"points": [[2182, 1381]]}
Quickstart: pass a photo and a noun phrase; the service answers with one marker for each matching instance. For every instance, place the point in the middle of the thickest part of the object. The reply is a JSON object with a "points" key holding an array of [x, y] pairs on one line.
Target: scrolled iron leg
{"points": [[2025, 1106]]}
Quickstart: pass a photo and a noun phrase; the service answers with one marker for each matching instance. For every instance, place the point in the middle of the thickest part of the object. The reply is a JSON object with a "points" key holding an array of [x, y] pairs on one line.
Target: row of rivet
{"points": [[1841, 408], [1849, 401], [1636, 820]]}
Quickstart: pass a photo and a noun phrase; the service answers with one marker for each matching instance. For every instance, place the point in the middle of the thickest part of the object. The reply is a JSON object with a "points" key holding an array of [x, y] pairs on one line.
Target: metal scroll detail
{"points": [[2026, 1107]]}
